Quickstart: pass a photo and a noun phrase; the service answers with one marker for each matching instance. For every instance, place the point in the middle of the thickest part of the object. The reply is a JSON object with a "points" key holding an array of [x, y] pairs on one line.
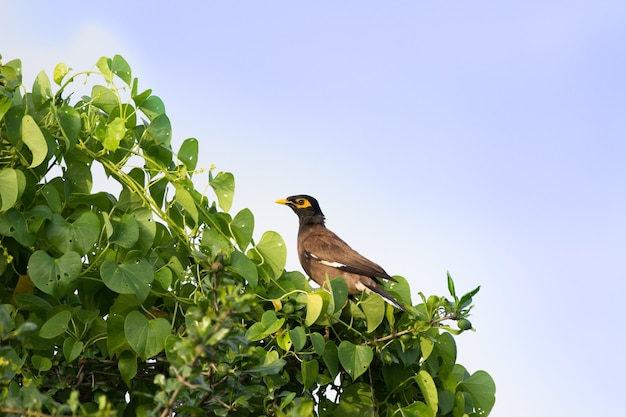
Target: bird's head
{"points": [[306, 207]]}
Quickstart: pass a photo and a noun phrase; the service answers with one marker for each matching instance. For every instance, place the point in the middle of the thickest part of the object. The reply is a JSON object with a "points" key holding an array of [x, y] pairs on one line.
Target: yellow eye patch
{"points": [[302, 203]]}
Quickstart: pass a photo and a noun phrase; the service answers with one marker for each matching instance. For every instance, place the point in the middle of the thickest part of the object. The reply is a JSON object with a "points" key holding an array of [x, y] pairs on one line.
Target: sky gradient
{"points": [[481, 138]]}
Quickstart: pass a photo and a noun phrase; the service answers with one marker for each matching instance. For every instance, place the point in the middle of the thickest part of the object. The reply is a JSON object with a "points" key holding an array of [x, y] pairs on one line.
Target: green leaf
{"points": [[147, 228], [243, 266], [53, 276], [104, 66], [402, 289], [79, 236], [271, 365], [146, 337], [160, 130], [42, 91], [355, 359], [51, 195], [215, 243], [104, 99], [356, 401], [78, 174], [188, 153], [120, 67], [126, 112], [482, 389], [224, 186], [69, 119], [129, 277], [446, 348], [35, 141], [13, 183], [72, 349], [152, 107], [36, 216], [271, 323], [255, 332], [164, 277], [187, 203], [298, 337], [13, 223], [339, 290], [429, 390], [273, 252], [242, 227], [60, 71], [116, 130], [41, 363], [373, 307], [32, 302], [314, 306], [417, 409], [451, 286], [446, 401], [310, 371], [125, 232], [426, 345], [284, 341], [86, 316], [116, 338], [318, 342], [127, 365], [5, 105], [466, 299], [56, 325], [331, 358]]}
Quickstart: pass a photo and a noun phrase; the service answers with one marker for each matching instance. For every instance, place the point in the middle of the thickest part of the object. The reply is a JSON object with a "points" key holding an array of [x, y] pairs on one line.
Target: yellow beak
{"points": [[281, 201]]}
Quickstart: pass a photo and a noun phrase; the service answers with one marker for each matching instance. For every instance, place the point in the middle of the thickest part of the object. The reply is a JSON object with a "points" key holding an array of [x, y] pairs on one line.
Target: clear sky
{"points": [[486, 138]]}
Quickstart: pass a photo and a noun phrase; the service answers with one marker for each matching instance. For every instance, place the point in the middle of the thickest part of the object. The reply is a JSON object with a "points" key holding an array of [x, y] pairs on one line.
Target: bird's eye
{"points": [[300, 201]]}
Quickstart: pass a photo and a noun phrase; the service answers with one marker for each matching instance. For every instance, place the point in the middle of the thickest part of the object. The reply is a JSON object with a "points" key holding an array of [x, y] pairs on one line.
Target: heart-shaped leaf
{"points": [[147, 228], [51, 275], [314, 306], [270, 251], [374, 308], [130, 277], [355, 359], [243, 266], [339, 290], [125, 231], [146, 337], [79, 236], [242, 227]]}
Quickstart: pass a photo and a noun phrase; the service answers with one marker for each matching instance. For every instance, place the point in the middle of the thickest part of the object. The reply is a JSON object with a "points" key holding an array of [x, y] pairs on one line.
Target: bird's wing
{"points": [[329, 249]]}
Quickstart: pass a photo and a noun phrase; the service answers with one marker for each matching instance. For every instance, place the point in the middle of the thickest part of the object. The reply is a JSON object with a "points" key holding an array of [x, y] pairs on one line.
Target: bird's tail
{"points": [[387, 297]]}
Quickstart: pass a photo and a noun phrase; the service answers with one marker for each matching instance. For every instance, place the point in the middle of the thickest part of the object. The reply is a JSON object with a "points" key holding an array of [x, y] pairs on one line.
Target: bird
{"points": [[324, 255]]}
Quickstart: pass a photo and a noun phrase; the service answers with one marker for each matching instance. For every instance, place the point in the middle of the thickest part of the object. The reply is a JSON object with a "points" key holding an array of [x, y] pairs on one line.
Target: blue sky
{"points": [[484, 138]]}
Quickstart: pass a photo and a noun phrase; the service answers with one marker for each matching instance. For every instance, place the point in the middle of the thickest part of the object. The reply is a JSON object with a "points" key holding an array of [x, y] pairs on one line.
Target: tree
{"points": [[157, 301]]}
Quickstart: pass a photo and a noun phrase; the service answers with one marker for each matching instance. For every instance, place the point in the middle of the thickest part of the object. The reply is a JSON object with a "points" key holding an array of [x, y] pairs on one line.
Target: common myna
{"points": [[324, 255]]}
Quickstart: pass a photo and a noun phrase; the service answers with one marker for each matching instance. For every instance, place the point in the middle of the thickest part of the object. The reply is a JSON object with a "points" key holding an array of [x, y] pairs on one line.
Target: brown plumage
{"points": [[324, 255]]}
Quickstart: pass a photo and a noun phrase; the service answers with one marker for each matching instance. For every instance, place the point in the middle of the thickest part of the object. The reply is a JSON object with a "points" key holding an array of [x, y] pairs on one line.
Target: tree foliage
{"points": [[155, 300]]}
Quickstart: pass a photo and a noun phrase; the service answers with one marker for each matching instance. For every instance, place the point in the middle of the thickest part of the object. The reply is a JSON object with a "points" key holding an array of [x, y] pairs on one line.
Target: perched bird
{"points": [[324, 255]]}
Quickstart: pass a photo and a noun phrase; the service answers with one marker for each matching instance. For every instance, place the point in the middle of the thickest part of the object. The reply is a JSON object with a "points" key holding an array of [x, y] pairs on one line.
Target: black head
{"points": [[306, 207]]}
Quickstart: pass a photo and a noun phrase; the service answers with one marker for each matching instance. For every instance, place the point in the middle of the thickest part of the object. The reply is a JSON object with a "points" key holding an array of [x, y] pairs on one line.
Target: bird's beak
{"points": [[282, 201]]}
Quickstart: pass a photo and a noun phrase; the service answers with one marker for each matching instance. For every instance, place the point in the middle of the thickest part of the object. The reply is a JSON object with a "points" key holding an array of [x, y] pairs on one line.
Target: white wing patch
{"points": [[327, 263]]}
